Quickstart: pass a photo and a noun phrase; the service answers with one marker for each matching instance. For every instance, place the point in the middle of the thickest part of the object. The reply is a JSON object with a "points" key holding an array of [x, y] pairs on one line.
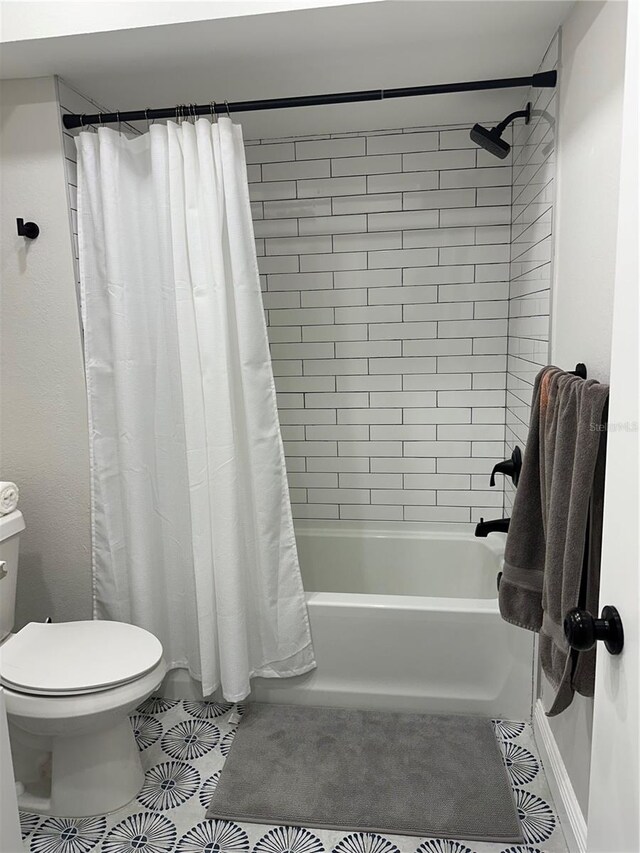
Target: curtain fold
{"points": [[192, 531]]}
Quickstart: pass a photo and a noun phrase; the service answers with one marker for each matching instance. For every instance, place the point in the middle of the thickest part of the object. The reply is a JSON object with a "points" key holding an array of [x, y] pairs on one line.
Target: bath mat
{"points": [[331, 768]]}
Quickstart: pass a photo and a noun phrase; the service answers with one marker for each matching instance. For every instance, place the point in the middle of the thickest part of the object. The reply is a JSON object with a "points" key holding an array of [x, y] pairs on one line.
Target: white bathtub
{"points": [[408, 621]]}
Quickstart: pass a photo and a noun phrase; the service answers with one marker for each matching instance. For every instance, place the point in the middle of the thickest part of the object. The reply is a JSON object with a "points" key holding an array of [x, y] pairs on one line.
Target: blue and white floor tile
{"points": [[183, 747]]}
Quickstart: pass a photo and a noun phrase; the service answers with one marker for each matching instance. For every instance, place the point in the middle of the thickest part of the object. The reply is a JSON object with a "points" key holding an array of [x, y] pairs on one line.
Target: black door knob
{"points": [[582, 630]]}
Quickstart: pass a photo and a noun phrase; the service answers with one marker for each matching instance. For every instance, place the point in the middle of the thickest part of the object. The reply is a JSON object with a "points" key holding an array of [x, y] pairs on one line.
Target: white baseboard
{"points": [[568, 809]]}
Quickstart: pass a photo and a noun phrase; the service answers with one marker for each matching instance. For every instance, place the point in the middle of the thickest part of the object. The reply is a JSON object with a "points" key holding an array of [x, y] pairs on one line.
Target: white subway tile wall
{"points": [[530, 264], [385, 275]]}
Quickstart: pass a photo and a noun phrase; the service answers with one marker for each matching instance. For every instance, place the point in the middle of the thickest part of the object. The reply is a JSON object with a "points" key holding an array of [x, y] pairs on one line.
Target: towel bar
{"points": [[581, 370]]}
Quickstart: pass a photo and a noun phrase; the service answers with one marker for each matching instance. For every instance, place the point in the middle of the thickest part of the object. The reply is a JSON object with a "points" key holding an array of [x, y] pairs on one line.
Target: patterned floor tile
{"points": [[68, 835], [221, 836], [293, 839], [183, 746], [145, 832]]}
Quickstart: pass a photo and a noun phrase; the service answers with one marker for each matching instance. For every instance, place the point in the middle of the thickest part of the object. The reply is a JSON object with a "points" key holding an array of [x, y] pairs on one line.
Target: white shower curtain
{"points": [[192, 530]]}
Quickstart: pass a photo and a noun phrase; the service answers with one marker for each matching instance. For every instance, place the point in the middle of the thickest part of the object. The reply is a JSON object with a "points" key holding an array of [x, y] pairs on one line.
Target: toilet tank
{"points": [[11, 526]]}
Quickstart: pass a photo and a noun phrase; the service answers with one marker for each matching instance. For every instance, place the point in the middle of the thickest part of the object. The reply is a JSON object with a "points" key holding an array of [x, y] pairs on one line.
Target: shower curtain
{"points": [[192, 531]]}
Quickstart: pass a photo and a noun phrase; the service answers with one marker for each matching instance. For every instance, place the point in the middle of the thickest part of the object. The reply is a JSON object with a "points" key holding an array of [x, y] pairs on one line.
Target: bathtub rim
{"points": [[413, 603]]}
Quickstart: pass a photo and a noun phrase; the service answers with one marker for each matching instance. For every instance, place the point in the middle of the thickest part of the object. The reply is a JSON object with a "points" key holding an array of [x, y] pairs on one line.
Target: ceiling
{"points": [[31, 19], [339, 48]]}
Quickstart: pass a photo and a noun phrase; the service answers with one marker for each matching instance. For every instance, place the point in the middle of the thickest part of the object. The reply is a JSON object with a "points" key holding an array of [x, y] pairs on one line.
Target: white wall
{"points": [[43, 425], [589, 137], [590, 117]]}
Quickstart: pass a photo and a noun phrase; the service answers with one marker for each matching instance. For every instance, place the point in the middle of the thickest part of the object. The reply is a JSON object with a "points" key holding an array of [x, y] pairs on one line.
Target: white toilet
{"points": [[69, 688]]}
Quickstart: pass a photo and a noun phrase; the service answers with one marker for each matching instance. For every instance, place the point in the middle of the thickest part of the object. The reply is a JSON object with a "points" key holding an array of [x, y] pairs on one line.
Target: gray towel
{"points": [[552, 555]]}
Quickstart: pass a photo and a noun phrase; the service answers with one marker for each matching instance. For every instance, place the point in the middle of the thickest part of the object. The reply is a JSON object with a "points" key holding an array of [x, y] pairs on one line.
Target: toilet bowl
{"points": [[69, 688]]}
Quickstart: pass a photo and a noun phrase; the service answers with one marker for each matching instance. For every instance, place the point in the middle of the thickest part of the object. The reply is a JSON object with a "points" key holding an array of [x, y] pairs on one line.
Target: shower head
{"points": [[491, 139]]}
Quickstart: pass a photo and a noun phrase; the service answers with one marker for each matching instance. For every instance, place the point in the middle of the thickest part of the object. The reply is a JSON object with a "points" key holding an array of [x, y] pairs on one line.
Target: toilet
{"points": [[69, 688]]}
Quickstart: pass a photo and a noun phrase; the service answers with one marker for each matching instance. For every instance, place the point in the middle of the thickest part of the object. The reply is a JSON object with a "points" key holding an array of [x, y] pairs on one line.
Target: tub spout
{"points": [[497, 525]]}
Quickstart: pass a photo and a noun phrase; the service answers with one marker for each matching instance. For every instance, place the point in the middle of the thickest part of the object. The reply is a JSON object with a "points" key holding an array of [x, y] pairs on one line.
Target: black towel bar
{"points": [[581, 370]]}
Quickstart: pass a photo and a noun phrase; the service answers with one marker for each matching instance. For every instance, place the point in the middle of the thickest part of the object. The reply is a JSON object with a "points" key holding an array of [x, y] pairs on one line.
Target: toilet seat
{"points": [[76, 658]]}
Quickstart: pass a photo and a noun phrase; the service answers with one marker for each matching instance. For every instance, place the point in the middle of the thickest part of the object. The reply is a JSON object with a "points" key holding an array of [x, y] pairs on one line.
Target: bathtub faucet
{"points": [[497, 525]]}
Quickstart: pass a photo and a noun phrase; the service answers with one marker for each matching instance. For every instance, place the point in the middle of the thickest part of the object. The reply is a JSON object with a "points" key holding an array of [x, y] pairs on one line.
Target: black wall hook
{"points": [[581, 370], [27, 229]]}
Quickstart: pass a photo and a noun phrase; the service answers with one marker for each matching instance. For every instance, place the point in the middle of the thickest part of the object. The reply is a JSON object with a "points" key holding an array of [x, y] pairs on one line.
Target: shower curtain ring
{"points": [[214, 116], [226, 103]]}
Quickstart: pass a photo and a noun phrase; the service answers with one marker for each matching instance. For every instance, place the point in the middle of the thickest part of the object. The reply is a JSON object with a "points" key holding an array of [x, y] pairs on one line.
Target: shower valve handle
{"points": [[510, 468]]}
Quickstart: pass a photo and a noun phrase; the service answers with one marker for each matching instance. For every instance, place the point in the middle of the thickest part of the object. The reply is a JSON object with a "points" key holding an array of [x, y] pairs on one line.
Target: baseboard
{"points": [[567, 807]]}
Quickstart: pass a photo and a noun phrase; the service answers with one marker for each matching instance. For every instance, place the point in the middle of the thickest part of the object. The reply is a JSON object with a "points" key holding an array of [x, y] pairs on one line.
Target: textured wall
{"points": [[385, 276], [44, 427]]}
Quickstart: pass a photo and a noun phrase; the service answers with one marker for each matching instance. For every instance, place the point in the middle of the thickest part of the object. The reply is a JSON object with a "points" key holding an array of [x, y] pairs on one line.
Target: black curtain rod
{"points": [[545, 80]]}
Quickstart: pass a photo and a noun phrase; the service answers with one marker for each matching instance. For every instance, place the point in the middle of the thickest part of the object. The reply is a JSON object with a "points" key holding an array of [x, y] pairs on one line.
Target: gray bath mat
{"points": [[331, 768]]}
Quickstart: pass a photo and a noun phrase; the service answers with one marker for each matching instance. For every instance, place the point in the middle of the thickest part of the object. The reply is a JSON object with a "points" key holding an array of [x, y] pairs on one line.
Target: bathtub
{"points": [[408, 621]]}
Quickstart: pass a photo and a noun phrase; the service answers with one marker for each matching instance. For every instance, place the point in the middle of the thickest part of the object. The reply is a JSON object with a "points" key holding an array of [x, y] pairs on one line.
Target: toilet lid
{"points": [[69, 658]]}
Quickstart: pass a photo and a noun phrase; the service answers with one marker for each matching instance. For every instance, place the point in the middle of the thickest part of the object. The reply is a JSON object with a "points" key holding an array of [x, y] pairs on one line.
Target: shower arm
{"points": [[525, 114], [546, 79]]}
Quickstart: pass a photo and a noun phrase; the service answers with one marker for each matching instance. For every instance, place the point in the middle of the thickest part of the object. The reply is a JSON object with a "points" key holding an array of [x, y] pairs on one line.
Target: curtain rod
{"points": [[546, 79]]}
